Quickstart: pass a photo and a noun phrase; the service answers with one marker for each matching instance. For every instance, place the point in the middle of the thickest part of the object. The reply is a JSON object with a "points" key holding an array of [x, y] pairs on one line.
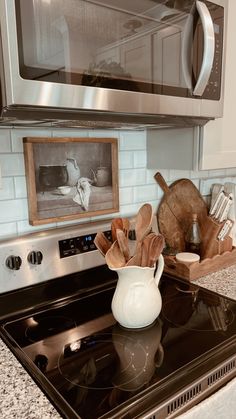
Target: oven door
{"points": [[136, 57]]}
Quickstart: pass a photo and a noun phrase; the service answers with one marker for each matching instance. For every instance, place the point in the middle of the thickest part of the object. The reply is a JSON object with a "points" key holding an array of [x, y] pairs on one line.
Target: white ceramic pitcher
{"points": [[137, 300]]}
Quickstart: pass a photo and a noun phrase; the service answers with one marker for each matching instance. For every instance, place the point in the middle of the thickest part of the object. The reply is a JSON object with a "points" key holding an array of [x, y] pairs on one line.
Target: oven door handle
{"points": [[209, 48]]}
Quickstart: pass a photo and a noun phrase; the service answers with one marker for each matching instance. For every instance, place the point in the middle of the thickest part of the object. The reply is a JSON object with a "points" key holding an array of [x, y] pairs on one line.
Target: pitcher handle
{"points": [[160, 268]]}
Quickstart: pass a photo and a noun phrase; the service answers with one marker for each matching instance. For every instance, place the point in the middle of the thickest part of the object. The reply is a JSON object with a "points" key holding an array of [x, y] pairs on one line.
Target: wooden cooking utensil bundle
{"points": [[148, 244]]}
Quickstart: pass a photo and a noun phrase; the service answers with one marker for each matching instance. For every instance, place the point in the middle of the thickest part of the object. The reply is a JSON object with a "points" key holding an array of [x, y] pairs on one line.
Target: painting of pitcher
{"points": [[70, 178]]}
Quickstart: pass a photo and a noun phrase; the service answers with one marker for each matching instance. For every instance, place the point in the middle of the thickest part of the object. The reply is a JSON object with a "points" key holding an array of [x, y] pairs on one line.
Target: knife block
{"points": [[211, 246]]}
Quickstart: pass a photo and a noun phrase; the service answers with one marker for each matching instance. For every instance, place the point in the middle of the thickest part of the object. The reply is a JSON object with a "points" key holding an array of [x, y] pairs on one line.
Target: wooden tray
{"points": [[197, 269]]}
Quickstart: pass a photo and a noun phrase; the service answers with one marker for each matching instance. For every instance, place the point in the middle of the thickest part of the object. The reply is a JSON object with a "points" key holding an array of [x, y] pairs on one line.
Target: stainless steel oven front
{"points": [[145, 57]]}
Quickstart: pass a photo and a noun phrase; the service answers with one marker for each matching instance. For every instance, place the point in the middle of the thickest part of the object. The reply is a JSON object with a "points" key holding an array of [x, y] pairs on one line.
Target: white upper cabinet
{"points": [[218, 144]]}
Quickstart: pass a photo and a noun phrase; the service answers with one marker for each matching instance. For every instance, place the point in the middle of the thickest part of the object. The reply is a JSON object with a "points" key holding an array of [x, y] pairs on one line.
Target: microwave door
{"points": [[206, 53], [186, 52], [208, 48]]}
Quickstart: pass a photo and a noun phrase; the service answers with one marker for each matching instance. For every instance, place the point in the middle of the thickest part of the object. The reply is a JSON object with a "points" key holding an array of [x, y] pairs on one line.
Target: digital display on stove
{"points": [[95, 365], [80, 244]]}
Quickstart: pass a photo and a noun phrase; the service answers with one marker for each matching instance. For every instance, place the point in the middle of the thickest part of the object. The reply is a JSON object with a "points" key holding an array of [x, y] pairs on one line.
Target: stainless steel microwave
{"points": [[158, 62]]}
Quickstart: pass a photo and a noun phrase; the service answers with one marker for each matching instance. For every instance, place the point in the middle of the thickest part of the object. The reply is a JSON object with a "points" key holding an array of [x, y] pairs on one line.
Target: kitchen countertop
{"points": [[21, 397]]}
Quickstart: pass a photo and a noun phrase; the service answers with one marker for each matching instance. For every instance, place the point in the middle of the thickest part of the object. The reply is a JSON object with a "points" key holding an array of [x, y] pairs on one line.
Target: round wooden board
{"points": [[175, 211]]}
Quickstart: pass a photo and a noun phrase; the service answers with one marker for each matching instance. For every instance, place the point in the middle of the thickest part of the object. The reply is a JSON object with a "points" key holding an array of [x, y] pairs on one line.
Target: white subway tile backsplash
{"points": [[8, 229], [25, 227], [7, 190], [12, 164], [132, 177], [101, 133], [129, 210], [13, 210], [126, 160], [20, 187], [71, 222], [196, 182], [136, 183], [133, 140], [18, 134], [198, 174], [5, 140], [151, 173], [126, 196], [70, 133], [218, 172], [145, 193], [178, 174], [231, 171], [140, 159]]}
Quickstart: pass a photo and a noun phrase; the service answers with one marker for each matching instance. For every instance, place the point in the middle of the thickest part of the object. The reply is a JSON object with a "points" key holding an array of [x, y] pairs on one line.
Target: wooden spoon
{"points": [[143, 222], [116, 223], [102, 243], [114, 257], [123, 243], [157, 245]]}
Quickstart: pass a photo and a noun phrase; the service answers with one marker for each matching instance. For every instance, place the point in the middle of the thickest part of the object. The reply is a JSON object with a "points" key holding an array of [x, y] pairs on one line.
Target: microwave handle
{"points": [[209, 48]]}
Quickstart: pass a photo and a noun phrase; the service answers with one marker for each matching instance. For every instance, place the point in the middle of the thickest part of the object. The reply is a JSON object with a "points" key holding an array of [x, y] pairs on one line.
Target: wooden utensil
{"points": [[156, 247], [143, 222], [114, 257], [117, 223], [125, 226], [102, 243], [181, 199], [145, 248], [137, 257], [123, 243]]}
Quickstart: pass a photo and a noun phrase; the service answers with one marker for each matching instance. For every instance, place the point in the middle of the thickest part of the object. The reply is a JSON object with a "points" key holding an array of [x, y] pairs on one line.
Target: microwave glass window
{"points": [[135, 45]]}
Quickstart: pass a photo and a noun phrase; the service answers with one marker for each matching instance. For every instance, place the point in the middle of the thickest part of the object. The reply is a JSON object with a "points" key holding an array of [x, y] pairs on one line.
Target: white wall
{"points": [[136, 182]]}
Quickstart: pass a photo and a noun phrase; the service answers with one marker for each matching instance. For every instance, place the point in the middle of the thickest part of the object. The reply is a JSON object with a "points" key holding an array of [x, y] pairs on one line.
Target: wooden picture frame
{"points": [[70, 178]]}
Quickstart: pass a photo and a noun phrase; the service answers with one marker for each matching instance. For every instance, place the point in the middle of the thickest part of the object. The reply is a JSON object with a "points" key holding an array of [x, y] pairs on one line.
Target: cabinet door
{"points": [[136, 58], [218, 145]]}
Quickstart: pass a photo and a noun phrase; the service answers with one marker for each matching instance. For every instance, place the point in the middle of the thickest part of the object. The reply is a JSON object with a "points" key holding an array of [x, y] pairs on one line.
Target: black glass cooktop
{"points": [[90, 367]]}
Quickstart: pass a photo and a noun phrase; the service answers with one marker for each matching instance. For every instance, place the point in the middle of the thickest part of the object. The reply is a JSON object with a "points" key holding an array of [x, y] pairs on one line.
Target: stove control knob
{"points": [[35, 258], [13, 262]]}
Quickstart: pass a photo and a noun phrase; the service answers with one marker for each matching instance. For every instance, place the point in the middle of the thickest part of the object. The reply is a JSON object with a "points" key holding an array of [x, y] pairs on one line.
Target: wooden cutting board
{"points": [[181, 199]]}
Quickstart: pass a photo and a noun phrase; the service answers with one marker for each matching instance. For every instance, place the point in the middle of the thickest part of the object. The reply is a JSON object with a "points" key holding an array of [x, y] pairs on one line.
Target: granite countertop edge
{"points": [[20, 395]]}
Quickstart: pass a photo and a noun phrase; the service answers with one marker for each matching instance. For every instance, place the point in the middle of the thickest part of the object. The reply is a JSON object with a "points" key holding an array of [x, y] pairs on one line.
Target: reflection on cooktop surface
{"points": [[96, 365]]}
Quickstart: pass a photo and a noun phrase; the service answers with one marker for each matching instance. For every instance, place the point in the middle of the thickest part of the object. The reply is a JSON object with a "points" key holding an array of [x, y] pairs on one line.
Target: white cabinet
{"points": [[218, 142]]}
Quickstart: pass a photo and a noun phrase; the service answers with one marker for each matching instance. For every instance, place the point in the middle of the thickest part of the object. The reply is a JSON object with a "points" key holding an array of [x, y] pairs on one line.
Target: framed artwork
{"points": [[70, 178]]}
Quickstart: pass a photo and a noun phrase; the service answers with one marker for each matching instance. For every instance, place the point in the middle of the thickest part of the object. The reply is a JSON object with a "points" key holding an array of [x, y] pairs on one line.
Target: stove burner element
{"points": [[196, 311], [137, 354], [40, 327]]}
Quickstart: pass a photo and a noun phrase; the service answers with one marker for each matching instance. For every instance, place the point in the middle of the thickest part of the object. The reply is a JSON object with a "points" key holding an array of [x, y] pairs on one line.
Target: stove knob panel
{"points": [[35, 258], [13, 262]]}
